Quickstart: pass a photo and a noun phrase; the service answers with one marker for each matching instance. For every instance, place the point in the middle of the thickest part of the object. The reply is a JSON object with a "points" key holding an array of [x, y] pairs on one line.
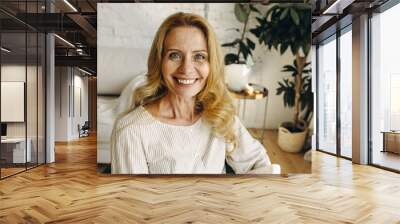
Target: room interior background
{"points": [[382, 36], [125, 34], [72, 102], [22, 99]]}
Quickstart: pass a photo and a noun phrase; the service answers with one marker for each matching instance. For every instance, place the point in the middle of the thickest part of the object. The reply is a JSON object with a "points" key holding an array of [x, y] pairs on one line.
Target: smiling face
{"points": [[185, 65]]}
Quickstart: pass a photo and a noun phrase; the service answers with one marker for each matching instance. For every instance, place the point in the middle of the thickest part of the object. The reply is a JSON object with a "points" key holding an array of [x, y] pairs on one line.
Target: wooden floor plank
{"points": [[71, 191]]}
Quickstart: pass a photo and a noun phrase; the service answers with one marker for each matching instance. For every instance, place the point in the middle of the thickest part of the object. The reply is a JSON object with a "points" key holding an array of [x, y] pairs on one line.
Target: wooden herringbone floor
{"points": [[71, 191], [289, 162]]}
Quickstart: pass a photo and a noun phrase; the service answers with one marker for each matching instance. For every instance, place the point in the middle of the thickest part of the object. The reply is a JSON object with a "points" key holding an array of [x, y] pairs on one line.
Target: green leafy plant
{"points": [[287, 88], [283, 27], [244, 45]]}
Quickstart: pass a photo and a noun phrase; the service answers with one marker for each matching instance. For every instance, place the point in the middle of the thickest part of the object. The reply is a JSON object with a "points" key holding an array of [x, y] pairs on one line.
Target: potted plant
{"points": [[238, 63], [283, 27], [291, 138]]}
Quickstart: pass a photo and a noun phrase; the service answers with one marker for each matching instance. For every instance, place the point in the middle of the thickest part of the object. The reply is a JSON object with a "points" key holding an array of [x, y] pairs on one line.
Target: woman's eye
{"points": [[199, 57], [175, 56]]}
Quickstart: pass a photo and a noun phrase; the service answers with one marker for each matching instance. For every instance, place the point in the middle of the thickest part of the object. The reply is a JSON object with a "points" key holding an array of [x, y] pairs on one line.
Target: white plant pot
{"points": [[237, 76], [291, 142]]}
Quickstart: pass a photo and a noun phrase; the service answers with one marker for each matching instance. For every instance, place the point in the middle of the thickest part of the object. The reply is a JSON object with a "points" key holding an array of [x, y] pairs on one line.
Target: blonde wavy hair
{"points": [[213, 101]]}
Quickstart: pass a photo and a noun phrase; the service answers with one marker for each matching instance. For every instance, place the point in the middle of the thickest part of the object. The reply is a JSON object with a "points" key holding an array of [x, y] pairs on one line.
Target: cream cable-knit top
{"points": [[141, 144]]}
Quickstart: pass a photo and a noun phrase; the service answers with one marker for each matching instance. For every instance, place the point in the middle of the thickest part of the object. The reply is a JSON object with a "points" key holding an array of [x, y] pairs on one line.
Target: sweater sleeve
{"points": [[127, 153], [249, 155]]}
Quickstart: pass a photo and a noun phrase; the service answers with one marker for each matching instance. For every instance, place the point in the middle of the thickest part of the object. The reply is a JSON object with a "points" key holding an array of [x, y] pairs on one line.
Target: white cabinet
{"points": [[18, 147]]}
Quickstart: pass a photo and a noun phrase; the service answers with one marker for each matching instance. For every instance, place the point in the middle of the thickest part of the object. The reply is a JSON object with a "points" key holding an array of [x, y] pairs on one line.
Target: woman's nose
{"points": [[187, 66]]}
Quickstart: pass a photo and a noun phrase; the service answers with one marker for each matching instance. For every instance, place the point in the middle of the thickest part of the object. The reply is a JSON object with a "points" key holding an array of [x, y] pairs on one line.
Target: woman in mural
{"points": [[184, 120]]}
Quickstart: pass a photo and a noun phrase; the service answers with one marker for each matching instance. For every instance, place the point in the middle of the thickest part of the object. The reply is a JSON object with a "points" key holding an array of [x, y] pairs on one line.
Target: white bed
{"points": [[108, 108], [105, 119]]}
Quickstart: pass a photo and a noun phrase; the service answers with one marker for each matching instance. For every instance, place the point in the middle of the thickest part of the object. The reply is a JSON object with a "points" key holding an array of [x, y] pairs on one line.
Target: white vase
{"points": [[237, 76]]}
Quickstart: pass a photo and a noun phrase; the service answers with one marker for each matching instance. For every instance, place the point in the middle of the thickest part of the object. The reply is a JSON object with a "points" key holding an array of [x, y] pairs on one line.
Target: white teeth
{"points": [[186, 81]]}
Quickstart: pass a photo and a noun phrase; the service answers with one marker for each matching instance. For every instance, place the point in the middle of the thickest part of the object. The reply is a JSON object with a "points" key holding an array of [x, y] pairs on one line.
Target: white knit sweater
{"points": [[141, 144]]}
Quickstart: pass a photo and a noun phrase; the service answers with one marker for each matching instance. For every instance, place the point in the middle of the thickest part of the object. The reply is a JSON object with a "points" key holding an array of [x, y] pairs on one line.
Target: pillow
{"points": [[125, 100]]}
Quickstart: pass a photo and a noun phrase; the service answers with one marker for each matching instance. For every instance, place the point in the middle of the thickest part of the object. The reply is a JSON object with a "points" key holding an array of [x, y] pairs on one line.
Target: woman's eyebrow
{"points": [[174, 49], [205, 51]]}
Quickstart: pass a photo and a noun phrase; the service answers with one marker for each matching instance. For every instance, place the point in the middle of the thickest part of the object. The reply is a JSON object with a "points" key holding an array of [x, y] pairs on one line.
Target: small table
{"points": [[253, 92], [391, 141]]}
